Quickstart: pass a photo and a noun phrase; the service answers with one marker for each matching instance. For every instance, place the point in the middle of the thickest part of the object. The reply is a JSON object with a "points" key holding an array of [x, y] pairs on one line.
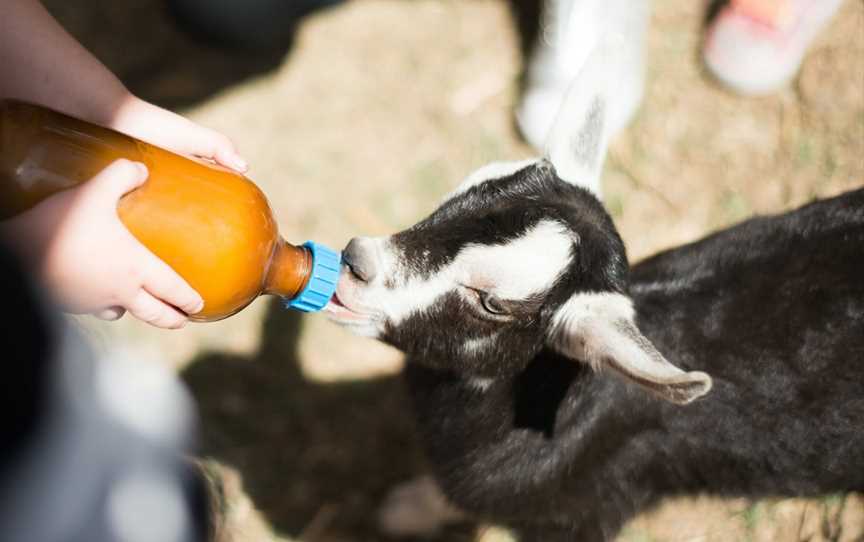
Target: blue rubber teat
{"points": [[322, 280]]}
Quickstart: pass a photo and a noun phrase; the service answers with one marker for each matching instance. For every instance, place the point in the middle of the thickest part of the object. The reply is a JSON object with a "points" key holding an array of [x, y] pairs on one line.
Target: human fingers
{"points": [[148, 309], [211, 144], [110, 314], [176, 133], [160, 280], [180, 134]]}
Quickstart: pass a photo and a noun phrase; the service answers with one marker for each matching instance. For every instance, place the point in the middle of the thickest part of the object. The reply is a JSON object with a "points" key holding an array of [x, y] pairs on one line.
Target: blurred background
{"points": [[358, 122]]}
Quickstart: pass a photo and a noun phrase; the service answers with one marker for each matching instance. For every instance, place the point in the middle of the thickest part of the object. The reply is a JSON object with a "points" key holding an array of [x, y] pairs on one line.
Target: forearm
{"points": [[40, 62]]}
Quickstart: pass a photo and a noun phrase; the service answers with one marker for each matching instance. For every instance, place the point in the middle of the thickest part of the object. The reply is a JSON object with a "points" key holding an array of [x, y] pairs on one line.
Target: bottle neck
{"points": [[289, 270]]}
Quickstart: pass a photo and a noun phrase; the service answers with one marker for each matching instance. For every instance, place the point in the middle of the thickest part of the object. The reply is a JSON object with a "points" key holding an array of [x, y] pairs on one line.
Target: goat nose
{"points": [[359, 256]]}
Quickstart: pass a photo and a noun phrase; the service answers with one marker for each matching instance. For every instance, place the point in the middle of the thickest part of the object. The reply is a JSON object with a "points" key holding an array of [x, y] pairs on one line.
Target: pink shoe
{"points": [[756, 46]]}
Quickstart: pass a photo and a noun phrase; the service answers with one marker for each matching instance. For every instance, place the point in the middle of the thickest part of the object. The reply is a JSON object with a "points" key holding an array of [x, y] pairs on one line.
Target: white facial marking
{"points": [[416, 295], [525, 266], [515, 270], [495, 170]]}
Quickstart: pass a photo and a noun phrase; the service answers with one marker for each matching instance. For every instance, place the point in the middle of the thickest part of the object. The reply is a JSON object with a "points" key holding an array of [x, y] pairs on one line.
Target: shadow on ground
{"points": [[145, 47], [316, 458]]}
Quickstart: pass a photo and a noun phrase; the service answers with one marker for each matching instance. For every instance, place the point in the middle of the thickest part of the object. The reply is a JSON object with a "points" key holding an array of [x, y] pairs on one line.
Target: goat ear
{"points": [[578, 139], [599, 329]]}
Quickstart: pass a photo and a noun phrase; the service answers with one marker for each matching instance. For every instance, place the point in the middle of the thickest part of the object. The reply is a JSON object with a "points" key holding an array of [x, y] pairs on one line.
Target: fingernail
{"points": [[239, 163], [142, 169], [198, 307]]}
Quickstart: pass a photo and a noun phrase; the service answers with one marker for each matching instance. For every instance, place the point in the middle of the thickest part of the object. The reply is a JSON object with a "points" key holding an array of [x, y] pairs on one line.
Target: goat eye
{"points": [[492, 304], [489, 302]]}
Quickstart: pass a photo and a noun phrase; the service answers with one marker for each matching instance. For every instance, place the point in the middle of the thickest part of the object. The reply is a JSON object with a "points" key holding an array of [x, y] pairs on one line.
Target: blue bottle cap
{"points": [[322, 280]]}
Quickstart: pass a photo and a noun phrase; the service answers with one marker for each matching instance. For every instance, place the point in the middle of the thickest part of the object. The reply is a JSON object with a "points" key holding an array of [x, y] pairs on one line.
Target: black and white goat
{"points": [[560, 391]]}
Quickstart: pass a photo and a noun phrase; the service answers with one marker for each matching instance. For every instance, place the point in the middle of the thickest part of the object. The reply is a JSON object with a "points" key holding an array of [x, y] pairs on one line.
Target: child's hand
{"points": [[90, 261], [170, 131]]}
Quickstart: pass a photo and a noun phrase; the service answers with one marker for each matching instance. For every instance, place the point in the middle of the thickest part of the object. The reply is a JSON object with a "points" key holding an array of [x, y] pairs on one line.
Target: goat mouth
{"points": [[339, 311]]}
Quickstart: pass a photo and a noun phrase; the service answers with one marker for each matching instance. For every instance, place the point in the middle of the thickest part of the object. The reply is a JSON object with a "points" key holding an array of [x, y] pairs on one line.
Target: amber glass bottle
{"points": [[210, 224]]}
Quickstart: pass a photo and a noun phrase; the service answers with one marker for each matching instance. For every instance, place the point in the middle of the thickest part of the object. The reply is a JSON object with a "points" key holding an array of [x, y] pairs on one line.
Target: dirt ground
{"points": [[360, 126]]}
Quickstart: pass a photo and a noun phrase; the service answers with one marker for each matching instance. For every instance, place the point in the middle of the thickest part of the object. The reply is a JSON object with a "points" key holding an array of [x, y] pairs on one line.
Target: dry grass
{"points": [[378, 108]]}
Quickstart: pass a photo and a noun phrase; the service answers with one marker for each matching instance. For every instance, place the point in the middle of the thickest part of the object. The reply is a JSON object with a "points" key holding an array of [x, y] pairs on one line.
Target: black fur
{"points": [[495, 213], [772, 309]]}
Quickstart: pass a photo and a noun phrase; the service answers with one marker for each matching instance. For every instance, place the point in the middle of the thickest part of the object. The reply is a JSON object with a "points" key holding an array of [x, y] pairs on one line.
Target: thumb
{"points": [[116, 180]]}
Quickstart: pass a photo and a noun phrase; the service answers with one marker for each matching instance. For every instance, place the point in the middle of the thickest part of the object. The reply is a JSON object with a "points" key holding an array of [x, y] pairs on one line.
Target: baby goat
{"points": [[530, 353], [559, 391]]}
